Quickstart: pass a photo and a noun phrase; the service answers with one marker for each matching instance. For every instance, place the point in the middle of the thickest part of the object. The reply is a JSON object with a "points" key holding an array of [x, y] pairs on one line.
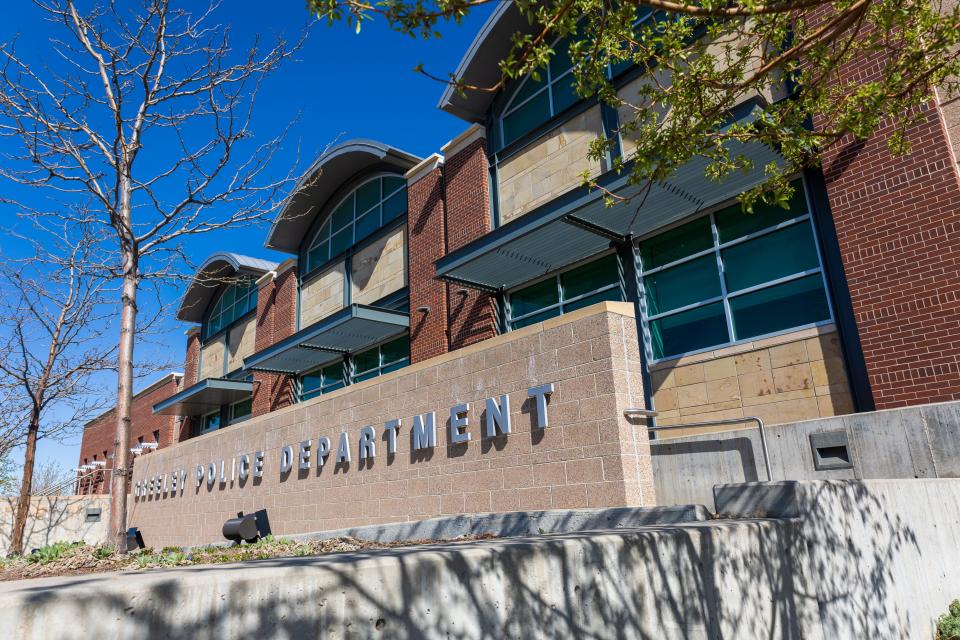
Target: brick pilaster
{"points": [[472, 313], [898, 228], [426, 238], [192, 362], [276, 320]]}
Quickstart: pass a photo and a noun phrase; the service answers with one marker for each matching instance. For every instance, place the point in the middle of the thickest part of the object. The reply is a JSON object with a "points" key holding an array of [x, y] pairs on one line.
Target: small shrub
{"points": [[51, 552], [104, 552], [948, 626]]}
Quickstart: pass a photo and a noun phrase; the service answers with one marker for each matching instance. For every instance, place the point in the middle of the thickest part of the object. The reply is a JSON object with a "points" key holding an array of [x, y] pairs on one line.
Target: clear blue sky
{"points": [[344, 84]]}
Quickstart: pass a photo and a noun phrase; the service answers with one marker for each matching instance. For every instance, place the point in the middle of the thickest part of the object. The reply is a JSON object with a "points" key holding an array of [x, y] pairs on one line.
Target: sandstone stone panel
{"points": [[322, 295], [549, 167], [380, 268], [211, 358], [797, 376], [242, 341]]}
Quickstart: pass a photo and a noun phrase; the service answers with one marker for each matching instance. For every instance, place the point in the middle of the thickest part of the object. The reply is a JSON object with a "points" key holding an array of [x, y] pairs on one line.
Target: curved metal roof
{"points": [[211, 275], [331, 170], [480, 65]]}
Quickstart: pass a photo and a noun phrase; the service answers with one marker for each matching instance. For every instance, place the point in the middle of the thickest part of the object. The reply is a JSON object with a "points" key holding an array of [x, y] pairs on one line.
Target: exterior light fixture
{"points": [[241, 528]]}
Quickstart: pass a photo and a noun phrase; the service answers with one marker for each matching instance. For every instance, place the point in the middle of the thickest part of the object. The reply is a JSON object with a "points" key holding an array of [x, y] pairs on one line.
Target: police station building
{"points": [[464, 333]]}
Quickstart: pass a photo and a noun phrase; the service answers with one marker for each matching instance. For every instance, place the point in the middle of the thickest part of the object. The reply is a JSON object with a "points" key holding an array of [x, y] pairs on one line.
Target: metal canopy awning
{"points": [[351, 329], [205, 396], [554, 237]]}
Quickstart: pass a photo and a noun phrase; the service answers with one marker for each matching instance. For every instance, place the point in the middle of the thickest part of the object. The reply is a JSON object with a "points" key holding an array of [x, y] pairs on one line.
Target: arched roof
{"points": [[331, 170], [480, 65], [211, 275]]}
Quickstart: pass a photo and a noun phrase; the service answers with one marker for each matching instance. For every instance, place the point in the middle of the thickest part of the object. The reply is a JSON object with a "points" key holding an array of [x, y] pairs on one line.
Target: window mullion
{"points": [[723, 281]]}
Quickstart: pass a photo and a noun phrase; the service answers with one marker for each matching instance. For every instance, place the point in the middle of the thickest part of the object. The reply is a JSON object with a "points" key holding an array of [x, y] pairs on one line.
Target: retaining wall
{"points": [[913, 442], [56, 519], [869, 559]]}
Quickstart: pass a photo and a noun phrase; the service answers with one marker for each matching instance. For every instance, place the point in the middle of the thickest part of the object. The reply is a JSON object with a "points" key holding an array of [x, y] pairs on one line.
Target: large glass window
{"points": [[381, 359], [324, 380], [732, 276], [368, 207], [573, 289], [536, 101], [210, 422], [242, 410], [236, 301]]}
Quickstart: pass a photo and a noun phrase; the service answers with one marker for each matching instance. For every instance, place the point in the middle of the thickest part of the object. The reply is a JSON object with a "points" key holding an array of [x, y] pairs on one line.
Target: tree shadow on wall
{"points": [[757, 578]]}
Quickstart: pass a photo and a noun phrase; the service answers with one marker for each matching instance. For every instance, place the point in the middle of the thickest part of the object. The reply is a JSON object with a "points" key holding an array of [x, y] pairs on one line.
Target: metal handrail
{"points": [[649, 413]]}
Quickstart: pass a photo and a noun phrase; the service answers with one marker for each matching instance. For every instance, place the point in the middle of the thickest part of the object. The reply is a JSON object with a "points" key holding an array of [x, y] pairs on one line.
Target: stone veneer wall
{"points": [[550, 166], [211, 358], [588, 456], [787, 378]]}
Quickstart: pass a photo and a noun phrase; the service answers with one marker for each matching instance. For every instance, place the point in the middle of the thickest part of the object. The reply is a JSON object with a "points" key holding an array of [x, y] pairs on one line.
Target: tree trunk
{"points": [[120, 480], [26, 487]]}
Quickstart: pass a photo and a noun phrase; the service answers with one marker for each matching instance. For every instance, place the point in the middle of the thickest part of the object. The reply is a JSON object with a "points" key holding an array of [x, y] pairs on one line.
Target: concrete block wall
{"points": [[588, 456], [795, 376], [426, 231], [242, 342], [213, 355]]}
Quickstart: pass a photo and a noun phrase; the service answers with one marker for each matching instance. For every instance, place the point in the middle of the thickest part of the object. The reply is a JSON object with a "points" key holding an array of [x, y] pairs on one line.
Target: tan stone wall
{"points": [[549, 167], [322, 295], [380, 268], [788, 378], [243, 338], [588, 456], [211, 358]]}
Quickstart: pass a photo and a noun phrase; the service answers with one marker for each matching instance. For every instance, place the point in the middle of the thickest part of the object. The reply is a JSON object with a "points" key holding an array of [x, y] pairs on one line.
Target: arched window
{"points": [[370, 206], [236, 301], [536, 101]]}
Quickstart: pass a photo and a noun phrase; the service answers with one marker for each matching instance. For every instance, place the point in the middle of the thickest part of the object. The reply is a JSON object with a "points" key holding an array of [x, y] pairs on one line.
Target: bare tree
{"points": [[151, 121], [53, 315], [50, 478]]}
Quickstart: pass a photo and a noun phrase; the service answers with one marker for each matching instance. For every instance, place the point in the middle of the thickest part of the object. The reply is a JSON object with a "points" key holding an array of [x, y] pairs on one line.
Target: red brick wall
{"points": [[98, 434], [276, 320], [472, 313], [192, 361], [426, 242], [898, 227]]}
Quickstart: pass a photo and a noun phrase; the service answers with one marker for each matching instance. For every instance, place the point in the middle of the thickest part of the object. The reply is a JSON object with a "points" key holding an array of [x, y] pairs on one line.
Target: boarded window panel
{"points": [[590, 277], [692, 330], [775, 255], [535, 297], [684, 284], [781, 307], [526, 118], [733, 222], [676, 244]]}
